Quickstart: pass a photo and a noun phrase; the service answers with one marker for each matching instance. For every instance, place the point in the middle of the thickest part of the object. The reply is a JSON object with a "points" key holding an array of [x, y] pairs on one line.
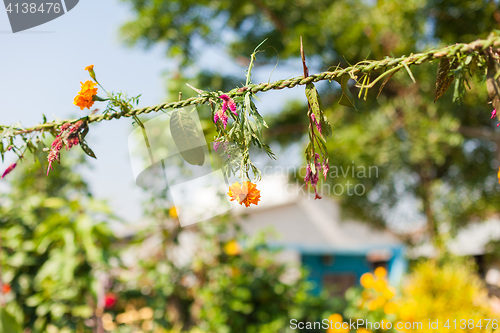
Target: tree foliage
{"points": [[437, 161]]}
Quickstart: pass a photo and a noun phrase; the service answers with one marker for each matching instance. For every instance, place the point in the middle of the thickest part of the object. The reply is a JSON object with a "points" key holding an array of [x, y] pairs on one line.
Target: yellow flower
{"points": [[400, 326], [498, 175], [372, 305], [367, 280], [406, 313], [337, 324], [384, 325], [390, 308], [336, 318], [380, 285], [389, 292], [85, 97], [380, 301], [172, 212], [232, 248], [245, 194], [380, 272], [363, 330]]}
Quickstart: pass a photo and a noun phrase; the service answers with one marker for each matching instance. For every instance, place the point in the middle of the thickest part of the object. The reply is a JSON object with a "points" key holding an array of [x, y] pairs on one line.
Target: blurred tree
{"points": [[55, 241], [436, 162]]}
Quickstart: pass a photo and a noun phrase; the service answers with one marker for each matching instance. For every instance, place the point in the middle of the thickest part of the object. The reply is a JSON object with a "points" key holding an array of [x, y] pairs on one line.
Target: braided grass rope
{"points": [[388, 65]]}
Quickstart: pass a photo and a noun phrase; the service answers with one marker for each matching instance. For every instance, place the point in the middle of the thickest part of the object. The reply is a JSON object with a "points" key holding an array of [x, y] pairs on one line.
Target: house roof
{"points": [[313, 226], [470, 241]]}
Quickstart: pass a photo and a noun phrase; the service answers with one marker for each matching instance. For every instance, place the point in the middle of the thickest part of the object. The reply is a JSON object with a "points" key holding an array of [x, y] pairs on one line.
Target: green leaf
{"points": [[86, 149], [8, 323], [83, 134], [314, 100], [187, 137], [326, 128], [347, 99], [444, 79]]}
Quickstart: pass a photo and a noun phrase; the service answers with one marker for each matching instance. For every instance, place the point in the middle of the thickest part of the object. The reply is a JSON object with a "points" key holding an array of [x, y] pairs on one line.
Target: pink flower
{"points": [[228, 102], [55, 149], [316, 122], [222, 116], [68, 136], [9, 169], [493, 113], [326, 168], [72, 141]]}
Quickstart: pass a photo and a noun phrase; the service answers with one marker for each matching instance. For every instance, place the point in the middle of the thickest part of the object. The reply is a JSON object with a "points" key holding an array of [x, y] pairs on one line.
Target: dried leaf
{"points": [[385, 82], [444, 79]]}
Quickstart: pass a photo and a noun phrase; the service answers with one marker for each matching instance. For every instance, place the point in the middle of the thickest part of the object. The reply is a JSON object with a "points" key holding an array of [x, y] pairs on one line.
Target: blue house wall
{"points": [[350, 263]]}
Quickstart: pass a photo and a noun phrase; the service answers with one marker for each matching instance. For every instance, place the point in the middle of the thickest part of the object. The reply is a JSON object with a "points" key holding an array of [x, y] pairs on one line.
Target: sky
{"points": [[41, 71]]}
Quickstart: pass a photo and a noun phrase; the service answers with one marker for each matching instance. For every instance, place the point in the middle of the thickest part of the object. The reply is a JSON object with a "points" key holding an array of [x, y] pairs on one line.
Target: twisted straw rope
{"points": [[362, 67]]}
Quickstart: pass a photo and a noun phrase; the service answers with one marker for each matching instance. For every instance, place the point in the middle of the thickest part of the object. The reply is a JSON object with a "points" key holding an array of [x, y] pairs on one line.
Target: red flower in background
{"points": [[6, 288], [110, 300]]}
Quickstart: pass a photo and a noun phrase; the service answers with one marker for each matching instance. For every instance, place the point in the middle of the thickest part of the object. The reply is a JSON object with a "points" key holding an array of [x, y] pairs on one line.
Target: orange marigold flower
{"points": [[245, 194], [85, 97], [498, 175]]}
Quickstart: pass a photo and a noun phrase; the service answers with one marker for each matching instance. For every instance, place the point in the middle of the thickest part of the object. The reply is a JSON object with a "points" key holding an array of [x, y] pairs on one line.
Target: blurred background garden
{"points": [[408, 230]]}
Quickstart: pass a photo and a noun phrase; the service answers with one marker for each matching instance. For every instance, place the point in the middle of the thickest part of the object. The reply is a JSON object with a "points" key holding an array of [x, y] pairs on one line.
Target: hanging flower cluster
{"points": [[69, 137], [245, 194], [221, 114], [312, 173]]}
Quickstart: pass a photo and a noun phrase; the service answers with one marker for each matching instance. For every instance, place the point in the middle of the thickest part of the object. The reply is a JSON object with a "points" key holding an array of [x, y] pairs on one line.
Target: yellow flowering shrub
{"points": [[451, 294]]}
